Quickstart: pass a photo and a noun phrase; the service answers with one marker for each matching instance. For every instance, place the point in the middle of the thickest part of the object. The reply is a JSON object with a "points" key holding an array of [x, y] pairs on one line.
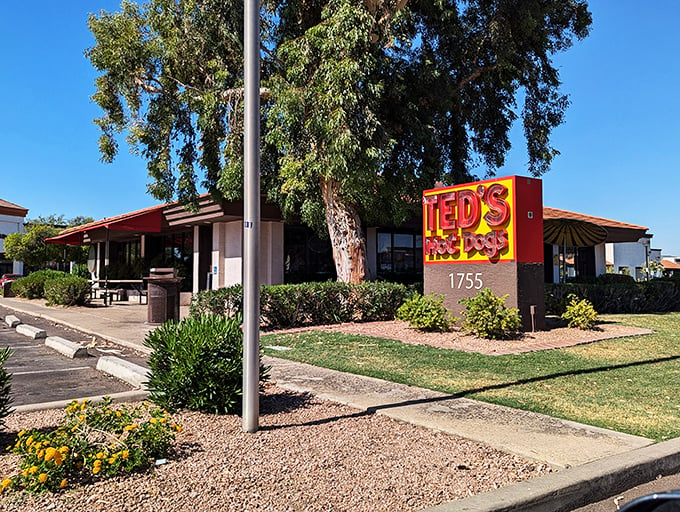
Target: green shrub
{"points": [[426, 312], [579, 313], [376, 300], [67, 290], [81, 270], [222, 302], [33, 285], [487, 316], [295, 305], [655, 296], [5, 386], [91, 442], [196, 364]]}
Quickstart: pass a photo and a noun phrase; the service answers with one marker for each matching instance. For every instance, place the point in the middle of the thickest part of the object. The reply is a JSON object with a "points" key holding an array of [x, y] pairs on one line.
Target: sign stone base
{"points": [[524, 282]]}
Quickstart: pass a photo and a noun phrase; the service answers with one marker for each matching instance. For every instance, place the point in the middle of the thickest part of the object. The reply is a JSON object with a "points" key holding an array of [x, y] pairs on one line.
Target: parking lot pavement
{"points": [[39, 374]]}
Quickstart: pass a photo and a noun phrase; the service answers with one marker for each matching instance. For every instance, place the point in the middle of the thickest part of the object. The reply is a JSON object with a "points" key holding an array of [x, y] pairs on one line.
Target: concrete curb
{"points": [[12, 321], [577, 486], [139, 348], [31, 332], [65, 347], [126, 371], [125, 396]]}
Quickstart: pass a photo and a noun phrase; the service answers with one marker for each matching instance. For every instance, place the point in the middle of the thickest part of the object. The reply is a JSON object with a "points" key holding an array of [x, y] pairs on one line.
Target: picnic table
{"points": [[109, 292]]}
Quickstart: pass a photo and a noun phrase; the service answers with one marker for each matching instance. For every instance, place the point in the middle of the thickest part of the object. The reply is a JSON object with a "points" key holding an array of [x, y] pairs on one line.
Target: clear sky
{"points": [[619, 145]]}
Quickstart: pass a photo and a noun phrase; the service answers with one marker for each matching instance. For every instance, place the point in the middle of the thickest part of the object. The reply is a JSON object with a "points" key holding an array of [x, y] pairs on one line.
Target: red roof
{"points": [[670, 265], [556, 213], [145, 220]]}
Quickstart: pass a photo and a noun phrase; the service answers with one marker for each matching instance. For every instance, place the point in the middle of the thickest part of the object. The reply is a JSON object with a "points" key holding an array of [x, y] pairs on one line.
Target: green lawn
{"points": [[630, 384]]}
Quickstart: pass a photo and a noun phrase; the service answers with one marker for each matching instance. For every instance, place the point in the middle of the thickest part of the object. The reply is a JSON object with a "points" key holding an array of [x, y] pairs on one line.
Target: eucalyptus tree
{"points": [[364, 103]]}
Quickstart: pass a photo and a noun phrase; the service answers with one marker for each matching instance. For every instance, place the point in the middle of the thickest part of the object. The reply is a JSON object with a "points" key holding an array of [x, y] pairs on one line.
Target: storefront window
{"points": [[400, 256]]}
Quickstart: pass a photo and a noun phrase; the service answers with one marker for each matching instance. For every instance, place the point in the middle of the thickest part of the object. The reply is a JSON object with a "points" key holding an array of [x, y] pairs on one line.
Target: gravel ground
{"points": [[554, 337], [309, 454]]}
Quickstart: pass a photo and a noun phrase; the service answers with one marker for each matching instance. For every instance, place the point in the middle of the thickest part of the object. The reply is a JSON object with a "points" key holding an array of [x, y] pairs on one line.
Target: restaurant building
{"points": [[206, 246]]}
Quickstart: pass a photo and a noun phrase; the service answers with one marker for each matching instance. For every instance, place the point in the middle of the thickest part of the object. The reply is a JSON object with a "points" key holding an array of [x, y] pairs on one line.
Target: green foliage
{"points": [[294, 305], [197, 364], [371, 101], [5, 385], [33, 285], [80, 270], [30, 247], [579, 313], [93, 441], [67, 290], [487, 316], [226, 301], [375, 300], [655, 296], [426, 312]]}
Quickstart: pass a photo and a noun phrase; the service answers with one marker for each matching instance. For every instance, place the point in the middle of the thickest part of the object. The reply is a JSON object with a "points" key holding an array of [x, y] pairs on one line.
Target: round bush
{"points": [[33, 285], [197, 364], [67, 290], [580, 313], [487, 316], [426, 312]]}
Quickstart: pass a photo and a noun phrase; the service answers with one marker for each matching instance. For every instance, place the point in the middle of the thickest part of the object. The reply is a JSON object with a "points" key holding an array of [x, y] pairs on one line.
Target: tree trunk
{"points": [[347, 237]]}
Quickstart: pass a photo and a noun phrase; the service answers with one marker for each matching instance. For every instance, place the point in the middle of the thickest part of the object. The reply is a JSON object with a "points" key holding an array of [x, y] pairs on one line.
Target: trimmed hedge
{"points": [[655, 296], [33, 285], [67, 290], [297, 305]]}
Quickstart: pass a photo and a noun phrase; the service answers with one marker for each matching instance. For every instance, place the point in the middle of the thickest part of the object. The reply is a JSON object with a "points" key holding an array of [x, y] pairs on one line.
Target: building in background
{"points": [[11, 221]]}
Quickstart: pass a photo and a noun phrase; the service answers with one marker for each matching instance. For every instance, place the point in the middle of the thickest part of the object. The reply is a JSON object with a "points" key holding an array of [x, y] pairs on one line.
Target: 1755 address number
{"points": [[466, 280]]}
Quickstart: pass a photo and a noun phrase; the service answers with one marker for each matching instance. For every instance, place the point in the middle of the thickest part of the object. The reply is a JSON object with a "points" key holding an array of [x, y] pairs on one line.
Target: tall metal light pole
{"points": [[251, 217]]}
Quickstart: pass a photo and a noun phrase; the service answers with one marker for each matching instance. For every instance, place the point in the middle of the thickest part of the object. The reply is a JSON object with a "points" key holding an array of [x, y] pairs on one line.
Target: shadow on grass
{"points": [[463, 394]]}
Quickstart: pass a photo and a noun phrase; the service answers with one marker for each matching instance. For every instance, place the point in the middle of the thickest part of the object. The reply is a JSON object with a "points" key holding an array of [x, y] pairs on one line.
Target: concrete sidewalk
{"points": [[602, 462]]}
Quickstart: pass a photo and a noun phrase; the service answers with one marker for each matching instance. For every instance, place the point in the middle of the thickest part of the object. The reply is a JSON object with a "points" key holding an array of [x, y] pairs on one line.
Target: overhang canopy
{"points": [[149, 220], [616, 231]]}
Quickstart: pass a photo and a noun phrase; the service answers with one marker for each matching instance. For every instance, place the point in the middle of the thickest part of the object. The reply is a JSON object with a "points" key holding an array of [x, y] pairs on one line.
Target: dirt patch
{"points": [[557, 337]]}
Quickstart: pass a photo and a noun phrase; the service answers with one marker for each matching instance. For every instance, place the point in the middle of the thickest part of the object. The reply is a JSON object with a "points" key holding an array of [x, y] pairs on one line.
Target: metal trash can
{"points": [[163, 295], [7, 289]]}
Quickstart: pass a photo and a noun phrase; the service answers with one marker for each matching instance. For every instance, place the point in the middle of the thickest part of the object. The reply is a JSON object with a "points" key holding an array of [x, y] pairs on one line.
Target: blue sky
{"points": [[618, 146]]}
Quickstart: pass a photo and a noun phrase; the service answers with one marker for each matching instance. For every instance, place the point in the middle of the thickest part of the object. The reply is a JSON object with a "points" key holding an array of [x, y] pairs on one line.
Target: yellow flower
{"points": [[119, 414], [49, 453], [37, 446], [81, 418], [22, 433], [98, 463], [6, 483], [33, 470], [163, 420], [152, 421], [40, 453], [178, 428], [29, 441], [101, 455], [42, 478], [25, 472], [63, 483], [111, 460], [58, 458], [96, 469], [131, 426], [64, 450], [125, 454]]}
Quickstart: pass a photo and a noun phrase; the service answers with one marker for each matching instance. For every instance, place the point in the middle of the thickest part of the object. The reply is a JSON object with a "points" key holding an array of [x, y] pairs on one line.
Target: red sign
{"points": [[486, 221]]}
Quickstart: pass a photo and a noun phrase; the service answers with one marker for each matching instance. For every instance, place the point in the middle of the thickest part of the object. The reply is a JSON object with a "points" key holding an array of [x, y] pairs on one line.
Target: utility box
{"points": [[163, 294]]}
